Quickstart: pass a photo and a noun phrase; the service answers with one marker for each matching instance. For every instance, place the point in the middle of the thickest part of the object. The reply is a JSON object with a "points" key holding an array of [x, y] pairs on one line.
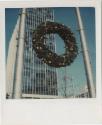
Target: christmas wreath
{"points": [[46, 55]]}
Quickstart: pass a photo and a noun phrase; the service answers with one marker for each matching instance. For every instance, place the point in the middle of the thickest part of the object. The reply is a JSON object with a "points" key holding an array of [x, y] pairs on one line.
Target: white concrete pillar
{"points": [[88, 68], [19, 69], [11, 59]]}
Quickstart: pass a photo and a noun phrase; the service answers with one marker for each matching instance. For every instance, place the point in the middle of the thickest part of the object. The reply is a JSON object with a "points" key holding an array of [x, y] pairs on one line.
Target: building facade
{"points": [[38, 79]]}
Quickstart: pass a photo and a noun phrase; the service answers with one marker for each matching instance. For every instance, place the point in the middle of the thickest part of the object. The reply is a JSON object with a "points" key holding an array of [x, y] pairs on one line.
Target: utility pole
{"points": [[87, 63], [19, 68]]}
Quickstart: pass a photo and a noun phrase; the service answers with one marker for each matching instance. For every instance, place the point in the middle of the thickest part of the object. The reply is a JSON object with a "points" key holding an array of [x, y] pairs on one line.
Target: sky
{"points": [[75, 73]]}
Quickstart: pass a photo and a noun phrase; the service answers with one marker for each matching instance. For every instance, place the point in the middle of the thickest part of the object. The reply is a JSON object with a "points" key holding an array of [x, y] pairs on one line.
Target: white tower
{"points": [[11, 60], [27, 75]]}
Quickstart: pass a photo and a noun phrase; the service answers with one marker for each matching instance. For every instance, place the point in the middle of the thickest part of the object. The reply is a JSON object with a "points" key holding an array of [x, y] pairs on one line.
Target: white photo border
{"points": [[48, 112]]}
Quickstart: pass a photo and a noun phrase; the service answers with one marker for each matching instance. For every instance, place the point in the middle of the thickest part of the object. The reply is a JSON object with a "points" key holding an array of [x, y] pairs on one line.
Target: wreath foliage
{"points": [[46, 55]]}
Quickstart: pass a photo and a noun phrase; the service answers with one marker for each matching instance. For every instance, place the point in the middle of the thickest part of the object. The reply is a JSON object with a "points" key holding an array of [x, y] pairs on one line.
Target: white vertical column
{"points": [[11, 59], [18, 80], [87, 63]]}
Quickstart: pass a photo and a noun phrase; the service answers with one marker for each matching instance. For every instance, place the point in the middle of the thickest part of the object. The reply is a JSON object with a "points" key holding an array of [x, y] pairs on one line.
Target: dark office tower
{"points": [[38, 79]]}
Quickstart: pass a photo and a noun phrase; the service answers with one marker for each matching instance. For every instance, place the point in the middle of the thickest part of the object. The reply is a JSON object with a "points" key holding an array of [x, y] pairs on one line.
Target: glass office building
{"points": [[37, 77]]}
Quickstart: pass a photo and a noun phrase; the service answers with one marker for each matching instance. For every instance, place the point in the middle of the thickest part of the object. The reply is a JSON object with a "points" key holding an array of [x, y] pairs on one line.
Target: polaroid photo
{"points": [[51, 62]]}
